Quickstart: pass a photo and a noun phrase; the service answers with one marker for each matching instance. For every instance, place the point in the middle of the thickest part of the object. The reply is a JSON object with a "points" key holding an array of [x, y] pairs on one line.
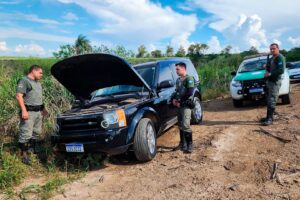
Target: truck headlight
{"points": [[114, 119], [236, 83]]}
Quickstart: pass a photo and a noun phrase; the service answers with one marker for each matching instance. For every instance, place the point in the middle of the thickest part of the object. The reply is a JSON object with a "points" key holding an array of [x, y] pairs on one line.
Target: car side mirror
{"points": [[165, 84], [233, 73]]}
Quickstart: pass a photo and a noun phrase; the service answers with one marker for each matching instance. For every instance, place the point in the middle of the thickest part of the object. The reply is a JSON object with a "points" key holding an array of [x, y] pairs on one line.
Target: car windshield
{"points": [[147, 72], [117, 89], [295, 65], [254, 65]]}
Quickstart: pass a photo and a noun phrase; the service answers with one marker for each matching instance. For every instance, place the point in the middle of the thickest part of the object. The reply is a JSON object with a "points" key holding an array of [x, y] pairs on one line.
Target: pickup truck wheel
{"points": [[286, 99], [237, 103], [197, 112], [144, 145]]}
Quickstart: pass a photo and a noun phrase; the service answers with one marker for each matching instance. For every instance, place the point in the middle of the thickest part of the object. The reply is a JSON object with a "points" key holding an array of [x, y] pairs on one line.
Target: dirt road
{"points": [[232, 159]]}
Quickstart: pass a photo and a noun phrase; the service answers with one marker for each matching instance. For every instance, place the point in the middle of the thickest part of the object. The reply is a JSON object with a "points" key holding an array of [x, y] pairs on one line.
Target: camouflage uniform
{"points": [[183, 94], [275, 67], [31, 128]]}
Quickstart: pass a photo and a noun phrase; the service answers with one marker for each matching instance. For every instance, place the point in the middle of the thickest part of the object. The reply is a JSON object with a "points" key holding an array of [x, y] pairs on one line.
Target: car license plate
{"points": [[74, 147], [254, 90]]}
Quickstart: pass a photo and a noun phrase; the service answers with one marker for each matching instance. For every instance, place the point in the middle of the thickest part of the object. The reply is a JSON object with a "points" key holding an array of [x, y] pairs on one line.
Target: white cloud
{"points": [[70, 16], [30, 49], [27, 17], [214, 45], [247, 32], [140, 21], [294, 41], [181, 40], [276, 18], [3, 46], [32, 35]]}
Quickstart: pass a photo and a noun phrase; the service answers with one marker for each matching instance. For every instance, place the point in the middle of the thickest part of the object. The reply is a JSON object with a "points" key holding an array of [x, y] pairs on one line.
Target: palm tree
{"points": [[82, 45]]}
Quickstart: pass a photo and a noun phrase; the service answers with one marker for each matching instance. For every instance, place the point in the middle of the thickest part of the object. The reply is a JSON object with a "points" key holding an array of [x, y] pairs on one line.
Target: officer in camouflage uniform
{"points": [[30, 101], [183, 99], [274, 71]]}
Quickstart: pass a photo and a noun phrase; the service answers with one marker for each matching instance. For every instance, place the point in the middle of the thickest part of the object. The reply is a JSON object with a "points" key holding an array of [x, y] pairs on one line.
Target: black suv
{"points": [[118, 107]]}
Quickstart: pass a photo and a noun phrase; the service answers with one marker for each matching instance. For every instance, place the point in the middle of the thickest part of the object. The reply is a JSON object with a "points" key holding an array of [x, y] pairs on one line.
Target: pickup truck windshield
{"points": [[295, 66], [250, 66]]}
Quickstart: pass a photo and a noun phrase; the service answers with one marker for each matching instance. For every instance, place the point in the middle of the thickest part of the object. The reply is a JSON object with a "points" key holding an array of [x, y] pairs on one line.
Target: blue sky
{"points": [[37, 28]]}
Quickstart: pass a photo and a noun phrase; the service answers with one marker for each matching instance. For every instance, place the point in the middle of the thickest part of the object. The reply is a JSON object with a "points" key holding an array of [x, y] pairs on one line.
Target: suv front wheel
{"points": [[144, 145]]}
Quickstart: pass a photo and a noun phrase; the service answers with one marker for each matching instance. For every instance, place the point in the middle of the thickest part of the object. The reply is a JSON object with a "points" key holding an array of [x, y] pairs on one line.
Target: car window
{"points": [[117, 89], [250, 66], [165, 72], [147, 73], [295, 66]]}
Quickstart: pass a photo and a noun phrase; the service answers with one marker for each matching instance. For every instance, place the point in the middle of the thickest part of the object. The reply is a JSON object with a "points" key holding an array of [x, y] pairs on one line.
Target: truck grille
{"points": [[252, 84], [82, 124]]}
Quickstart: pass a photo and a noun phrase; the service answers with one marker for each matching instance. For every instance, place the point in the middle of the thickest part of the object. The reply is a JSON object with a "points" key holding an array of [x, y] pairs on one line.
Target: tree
{"points": [[180, 52], [65, 52], [253, 50], [156, 53], [169, 51], [226, 51], [141, 51], [82, 45], [197, 49]]}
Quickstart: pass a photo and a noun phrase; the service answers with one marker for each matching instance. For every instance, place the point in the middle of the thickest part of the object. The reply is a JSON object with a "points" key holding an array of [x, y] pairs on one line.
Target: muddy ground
{"points": [[234, 158]]}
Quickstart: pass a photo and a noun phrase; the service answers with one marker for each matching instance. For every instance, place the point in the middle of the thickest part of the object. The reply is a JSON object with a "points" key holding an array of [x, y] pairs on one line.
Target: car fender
{"points": [[197, 93], [144, 112]]}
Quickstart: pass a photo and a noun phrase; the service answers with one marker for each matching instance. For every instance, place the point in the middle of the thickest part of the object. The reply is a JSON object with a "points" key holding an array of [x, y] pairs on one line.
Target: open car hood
{"points": [[83, 74]]}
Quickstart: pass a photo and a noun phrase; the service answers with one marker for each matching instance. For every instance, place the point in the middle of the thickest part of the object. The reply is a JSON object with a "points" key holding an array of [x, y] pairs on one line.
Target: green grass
{"points": [[12, 170], [215, 75]]}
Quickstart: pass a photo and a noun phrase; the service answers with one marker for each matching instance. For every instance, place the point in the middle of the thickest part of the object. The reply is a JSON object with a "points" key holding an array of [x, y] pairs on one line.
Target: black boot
{"points": [[189, 141], [24, 153], [182, 144], [34, 146], [269, 119]]}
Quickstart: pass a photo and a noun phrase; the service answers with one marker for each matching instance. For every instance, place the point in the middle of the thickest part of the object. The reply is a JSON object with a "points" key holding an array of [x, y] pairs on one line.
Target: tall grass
{"points": [[215, 75]]}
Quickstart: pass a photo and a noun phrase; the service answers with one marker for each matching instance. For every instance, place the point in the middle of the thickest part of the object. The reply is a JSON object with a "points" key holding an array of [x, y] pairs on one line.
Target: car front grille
{"points": [[253, 84], [79, 125]]}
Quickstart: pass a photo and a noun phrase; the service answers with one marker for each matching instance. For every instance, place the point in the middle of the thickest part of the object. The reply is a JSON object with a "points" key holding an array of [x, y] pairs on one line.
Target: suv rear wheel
{"points": [[197, 112], [144, 145]]}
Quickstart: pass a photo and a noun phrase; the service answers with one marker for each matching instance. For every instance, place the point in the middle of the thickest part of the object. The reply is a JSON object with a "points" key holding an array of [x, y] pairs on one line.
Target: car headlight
{"points": [[236, 83], [114, 119]]}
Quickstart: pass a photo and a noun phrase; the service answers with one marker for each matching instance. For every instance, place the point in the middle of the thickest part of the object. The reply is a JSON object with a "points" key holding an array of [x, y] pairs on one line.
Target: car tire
{"points": [[237, 103], [144, 144], [197, 112], [286, 99]]}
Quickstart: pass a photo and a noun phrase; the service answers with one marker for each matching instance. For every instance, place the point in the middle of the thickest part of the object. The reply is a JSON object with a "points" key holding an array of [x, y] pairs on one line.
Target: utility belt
{"points": [[34, 108]]}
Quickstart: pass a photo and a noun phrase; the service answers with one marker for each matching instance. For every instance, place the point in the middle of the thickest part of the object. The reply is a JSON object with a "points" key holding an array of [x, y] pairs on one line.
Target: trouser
{"points": [[31, 128], [273, 93], [184, 119]]}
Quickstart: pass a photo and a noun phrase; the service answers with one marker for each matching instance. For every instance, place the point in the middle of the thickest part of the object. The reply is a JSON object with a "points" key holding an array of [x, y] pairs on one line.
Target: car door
{"points": [[167, 111]]}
